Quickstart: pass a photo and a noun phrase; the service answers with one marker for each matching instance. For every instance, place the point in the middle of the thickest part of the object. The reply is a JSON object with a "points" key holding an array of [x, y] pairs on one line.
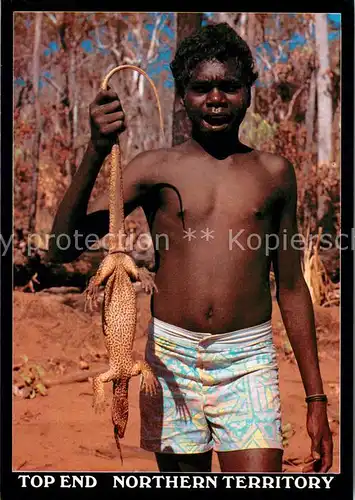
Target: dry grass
{"points": [[323, 291]]}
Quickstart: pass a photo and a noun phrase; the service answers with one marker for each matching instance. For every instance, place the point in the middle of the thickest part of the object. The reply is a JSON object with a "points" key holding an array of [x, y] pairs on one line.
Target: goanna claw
{"points": [[149, 383], [91, 302], [147, 280]]}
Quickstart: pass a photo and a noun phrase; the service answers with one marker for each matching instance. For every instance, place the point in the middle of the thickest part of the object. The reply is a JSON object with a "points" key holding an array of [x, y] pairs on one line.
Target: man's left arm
{"points": [[296, 308]]}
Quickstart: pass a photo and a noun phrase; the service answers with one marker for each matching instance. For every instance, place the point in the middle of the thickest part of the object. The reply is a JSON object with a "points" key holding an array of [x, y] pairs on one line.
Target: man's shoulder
{"points": [[157, 156], [281, 171], [274, 163], [148, 156]]}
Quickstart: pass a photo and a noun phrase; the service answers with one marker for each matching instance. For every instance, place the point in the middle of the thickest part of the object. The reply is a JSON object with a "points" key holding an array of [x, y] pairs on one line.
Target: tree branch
{"points": [[292, 102], [52, 18], [158, 22], [54, 85], [269, 66]]}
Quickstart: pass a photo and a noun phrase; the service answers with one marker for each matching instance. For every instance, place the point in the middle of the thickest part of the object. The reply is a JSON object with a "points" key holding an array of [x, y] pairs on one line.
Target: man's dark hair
{"points": [[214, 41]]}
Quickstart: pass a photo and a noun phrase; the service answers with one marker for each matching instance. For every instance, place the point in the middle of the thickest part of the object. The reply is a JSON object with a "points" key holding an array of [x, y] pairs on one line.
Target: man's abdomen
{"points": [[213, 293]]}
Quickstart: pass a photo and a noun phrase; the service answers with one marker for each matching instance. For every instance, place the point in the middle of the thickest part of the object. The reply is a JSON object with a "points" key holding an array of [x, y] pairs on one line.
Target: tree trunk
{"points": [[37, 134], [230, 18], [324, 101], [324, 107], [72, 93], [242, 25], [69, 89], [310, 114], [186, 24]]}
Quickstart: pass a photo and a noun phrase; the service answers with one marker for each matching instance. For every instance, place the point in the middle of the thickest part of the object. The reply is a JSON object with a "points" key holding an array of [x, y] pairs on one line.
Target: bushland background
{"points": [[60, 59]]}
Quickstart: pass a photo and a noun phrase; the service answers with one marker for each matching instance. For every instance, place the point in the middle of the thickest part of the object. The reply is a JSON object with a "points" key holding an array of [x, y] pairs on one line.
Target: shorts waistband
{"points": [[243, 337]]}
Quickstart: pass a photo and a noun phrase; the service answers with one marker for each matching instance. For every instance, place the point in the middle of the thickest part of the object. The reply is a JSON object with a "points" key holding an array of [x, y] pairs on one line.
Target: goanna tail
{"points": [[115, 431], [119, 410]]}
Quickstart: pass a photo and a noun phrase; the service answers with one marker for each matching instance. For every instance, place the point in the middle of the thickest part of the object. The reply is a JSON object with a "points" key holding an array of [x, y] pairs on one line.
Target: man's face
{"points": [[216, 99]]}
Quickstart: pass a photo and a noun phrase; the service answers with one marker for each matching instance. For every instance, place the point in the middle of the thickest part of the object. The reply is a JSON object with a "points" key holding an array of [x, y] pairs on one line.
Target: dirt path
{"points": [[60, 431]]}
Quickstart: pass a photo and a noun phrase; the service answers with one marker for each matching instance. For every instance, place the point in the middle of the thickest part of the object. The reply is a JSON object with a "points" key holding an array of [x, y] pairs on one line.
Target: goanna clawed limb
{"points": [[149, 384], [120, 406], [107, 268], [141, 274]]}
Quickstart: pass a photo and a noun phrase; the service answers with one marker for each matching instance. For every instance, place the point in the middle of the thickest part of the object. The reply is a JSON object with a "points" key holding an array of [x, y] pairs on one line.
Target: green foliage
{"points": [[287, 432], [256, 130], [29, 379]]}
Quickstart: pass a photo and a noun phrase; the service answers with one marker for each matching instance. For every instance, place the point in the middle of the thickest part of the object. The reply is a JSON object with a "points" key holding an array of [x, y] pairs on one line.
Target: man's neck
{"points": [[219, 145]]}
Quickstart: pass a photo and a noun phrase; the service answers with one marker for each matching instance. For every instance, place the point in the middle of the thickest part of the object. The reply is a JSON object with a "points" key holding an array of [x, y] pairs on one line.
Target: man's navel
{"points": [[209, 313]]}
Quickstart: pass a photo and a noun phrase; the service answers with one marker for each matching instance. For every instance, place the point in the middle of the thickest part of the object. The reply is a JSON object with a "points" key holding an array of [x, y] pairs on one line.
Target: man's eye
{"points": [[230, 88], [200, 89]]}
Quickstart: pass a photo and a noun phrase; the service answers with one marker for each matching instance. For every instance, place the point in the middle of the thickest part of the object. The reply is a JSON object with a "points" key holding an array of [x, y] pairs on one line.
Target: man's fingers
{"points": [[110, 107], [104, 96], [309, 464], [319, 463], [315, 449], [315, 455], [326, 465], [113, 117], [117, 126], [308, 468], [327, 455]]}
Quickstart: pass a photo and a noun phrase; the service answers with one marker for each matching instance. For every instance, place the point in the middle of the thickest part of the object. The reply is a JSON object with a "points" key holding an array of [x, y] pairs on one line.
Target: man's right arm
{"points": [[72, 223], [81, 227]]}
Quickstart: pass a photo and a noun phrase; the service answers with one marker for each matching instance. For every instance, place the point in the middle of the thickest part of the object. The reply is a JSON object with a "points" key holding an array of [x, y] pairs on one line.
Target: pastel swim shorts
{"points": [[217, 391]]}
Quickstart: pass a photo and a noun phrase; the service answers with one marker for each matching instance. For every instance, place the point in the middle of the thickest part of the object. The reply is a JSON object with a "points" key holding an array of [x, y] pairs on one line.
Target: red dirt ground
{"points": [[61, 432]]}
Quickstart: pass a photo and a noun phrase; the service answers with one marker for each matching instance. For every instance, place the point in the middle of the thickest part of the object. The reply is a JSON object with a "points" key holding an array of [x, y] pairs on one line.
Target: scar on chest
{"points": [[181, 214]]}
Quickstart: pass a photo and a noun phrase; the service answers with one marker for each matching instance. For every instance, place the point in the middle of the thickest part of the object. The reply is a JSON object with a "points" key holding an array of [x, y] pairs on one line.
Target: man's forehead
{"points": [[215, 70]]}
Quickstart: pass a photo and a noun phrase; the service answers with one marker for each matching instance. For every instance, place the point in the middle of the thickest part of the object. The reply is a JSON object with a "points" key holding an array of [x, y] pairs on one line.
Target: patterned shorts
{"points": [[216, 391]]}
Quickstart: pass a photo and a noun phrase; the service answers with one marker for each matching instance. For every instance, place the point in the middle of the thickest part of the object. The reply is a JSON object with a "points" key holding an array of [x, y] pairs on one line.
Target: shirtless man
{"points": [[210, 339]]}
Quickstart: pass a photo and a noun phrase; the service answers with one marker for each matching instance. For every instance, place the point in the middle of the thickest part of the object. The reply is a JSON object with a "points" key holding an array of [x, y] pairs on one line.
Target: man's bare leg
{"points": [[174, 462], [255, 460]]}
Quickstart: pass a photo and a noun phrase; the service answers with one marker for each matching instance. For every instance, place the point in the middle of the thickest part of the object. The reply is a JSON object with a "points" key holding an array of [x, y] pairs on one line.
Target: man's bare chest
{"points": [[233, 196]]}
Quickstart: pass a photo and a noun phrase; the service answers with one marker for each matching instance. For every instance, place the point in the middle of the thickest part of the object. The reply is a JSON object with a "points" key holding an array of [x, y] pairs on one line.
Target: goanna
{"points": [[119, 312]]}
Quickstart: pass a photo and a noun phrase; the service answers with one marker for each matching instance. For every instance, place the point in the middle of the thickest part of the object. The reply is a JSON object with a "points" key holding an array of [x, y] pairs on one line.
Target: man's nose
{"points": [[216, 98]]}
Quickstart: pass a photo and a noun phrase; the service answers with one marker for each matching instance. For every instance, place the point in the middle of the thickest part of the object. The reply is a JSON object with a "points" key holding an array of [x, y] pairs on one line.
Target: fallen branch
{"points": [[72, 378], [60, 290], [336, 301]]}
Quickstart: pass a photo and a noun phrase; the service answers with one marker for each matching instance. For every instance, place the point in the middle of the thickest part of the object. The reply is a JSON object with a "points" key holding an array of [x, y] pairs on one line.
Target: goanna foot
{"points": [[147, 280], [149, 382], [98, 402], [91, 296]]}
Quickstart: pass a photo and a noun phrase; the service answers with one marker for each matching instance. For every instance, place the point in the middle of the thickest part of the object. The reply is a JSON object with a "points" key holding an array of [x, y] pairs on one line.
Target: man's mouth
{"points": [[216, 120]]}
